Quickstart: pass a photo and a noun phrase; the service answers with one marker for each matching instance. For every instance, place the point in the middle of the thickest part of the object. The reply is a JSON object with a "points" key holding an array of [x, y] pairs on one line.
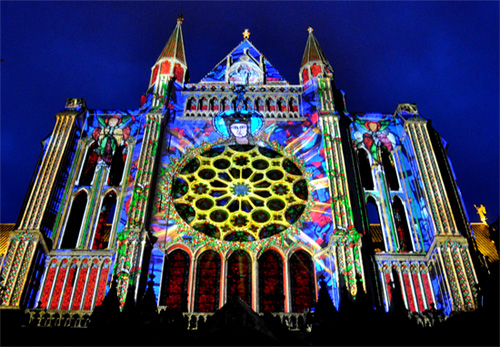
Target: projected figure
{"points": [[239, 127], [110, 137], [374, 134]]}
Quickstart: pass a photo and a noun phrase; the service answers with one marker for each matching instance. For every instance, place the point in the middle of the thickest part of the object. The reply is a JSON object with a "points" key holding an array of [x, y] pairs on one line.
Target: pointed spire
{"points": [[313, 51], [175, 44]]}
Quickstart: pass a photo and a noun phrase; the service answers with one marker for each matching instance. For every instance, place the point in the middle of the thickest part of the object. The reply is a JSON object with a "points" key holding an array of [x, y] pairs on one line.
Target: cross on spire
{"points": [[180, 18], [310, 30]]}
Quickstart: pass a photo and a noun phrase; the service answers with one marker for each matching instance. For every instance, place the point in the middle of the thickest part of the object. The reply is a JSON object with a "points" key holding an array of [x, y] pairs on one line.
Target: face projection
{"points": [[240, 132]]}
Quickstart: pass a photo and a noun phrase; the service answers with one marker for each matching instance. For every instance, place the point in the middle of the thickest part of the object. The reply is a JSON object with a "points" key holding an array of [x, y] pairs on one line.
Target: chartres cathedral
{"points": [[241, 185]]}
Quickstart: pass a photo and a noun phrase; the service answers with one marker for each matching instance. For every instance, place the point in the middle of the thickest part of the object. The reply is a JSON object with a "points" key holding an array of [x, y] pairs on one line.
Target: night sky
{"points": [[444, 56]]}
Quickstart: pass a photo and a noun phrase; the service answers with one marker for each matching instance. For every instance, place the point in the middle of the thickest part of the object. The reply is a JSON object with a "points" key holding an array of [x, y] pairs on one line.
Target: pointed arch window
{"points": [[106, 217], [375, 227], [405, 244], [74, 224], [207, 282], [174, 291], [117, 165], [87, 173], [389, 169], [239, 276], [365, 170], [271, 298], [302, 281]]}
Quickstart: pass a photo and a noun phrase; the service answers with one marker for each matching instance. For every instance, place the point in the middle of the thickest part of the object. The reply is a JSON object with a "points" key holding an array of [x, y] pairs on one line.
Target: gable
{"points": [[238, 57]]}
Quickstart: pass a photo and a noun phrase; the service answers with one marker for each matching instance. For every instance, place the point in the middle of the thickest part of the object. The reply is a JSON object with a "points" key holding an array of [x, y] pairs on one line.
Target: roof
{"points": [[175, 45], [313, 51], [484, 243], [5, 229], [218, 73]]}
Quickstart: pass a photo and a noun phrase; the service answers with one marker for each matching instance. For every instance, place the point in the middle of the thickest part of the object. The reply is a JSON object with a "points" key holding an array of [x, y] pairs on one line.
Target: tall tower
{"points": [[171, 63]]}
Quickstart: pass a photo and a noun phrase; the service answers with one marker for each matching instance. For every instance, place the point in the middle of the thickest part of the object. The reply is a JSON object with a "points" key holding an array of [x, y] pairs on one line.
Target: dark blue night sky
{"points": [[444, 56]]}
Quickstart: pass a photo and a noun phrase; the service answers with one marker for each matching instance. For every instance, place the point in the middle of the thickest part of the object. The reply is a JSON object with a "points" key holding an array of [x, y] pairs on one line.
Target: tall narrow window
{"points": [[389, 169], [207, 282], [117, 166], [405, 244], [105, 217], [239, 276], [365, 170], [174, 290], [372, 209], [89, 166], [74, 224], [302, 281], [271, 298], [375, 227]]}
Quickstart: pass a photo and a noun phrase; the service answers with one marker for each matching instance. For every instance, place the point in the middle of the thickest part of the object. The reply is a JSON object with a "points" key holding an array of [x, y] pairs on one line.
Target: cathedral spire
{"points": [[175, 44], [314, 62], [171, 62]]}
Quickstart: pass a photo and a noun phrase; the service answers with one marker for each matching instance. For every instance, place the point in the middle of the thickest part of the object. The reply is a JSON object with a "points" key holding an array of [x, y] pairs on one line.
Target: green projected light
{"points": [[240, 192]]}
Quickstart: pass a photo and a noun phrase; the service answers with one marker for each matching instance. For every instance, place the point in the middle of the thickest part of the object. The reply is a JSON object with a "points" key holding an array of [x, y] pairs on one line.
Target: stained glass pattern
{"points": [[240, 193], [239, 277], [208, 282], [271, 282], [302, 280], [174, 292]]}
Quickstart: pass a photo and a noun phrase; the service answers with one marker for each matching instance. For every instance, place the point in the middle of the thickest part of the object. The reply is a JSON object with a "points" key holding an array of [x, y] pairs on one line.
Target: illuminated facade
{"points": [[241, 185]]}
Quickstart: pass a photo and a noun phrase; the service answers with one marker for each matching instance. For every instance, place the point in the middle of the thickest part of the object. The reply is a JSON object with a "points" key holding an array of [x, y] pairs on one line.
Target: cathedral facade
{"points": [[241, 185]]}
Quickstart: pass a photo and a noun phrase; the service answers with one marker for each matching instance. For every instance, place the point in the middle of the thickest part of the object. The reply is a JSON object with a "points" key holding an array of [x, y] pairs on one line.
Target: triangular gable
{"points": [[218, 73]]}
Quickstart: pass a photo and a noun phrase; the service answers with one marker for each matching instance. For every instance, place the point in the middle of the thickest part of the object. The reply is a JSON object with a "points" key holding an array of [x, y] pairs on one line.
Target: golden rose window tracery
{"points": [[240, 192]]}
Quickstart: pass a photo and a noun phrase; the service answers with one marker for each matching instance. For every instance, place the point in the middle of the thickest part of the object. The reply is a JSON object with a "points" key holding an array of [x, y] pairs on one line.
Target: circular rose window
{"points": [[240, 192]]}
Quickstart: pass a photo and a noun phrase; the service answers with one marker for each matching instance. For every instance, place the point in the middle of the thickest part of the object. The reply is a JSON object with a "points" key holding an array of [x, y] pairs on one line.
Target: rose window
{"points": [[240, 192]]}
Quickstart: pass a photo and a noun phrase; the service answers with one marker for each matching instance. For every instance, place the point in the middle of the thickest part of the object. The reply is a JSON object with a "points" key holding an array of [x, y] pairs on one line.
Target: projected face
{"points": [[239, 130], [113, 122]]}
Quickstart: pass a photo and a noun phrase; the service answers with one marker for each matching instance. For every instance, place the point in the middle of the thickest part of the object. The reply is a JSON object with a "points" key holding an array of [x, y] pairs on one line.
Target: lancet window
{"points": [[271, 282], [405, 244], [239, 276], [87, 173], [365, 170], [105, 217], [390, 170], [174, 291], [75, 219], [117, 166], [302, 281], [207, 282]]}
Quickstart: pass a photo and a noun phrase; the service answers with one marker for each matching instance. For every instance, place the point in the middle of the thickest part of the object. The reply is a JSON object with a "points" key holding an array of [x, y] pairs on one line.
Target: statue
{"points": [[481, 211]]}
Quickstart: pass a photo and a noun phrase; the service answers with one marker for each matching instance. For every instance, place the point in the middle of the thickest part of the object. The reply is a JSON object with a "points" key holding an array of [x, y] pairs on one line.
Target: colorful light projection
{"points": [[245, 57], [298, 141]]}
